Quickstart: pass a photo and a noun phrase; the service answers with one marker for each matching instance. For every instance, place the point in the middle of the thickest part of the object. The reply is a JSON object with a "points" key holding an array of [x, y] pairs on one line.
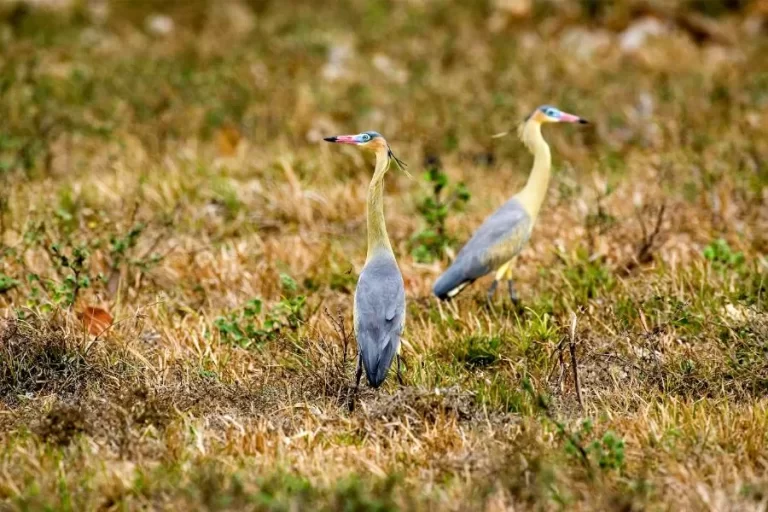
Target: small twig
{"points": [[341, 330], [559, 353], [641, 220], [344, 337], [574, 365], [163, 235], [650, 240], [3, 206], [560, 378], [648, 244]]}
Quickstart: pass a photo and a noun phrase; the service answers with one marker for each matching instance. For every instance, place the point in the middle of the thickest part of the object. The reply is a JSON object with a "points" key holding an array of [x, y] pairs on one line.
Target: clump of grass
{"points": [[502, 393], [62, 424], [426, 407], [35, 359], [586, 278], [479, 351], [324, 366]]}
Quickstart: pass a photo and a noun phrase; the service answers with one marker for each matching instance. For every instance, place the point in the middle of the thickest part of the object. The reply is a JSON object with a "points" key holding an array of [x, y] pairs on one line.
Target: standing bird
{"points": [[499, 240], [379, 310]]}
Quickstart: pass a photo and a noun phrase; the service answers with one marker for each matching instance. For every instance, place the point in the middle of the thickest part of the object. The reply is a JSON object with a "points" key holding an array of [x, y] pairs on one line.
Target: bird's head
{"points": [[543, 114], [550, 114], [370, 141]]}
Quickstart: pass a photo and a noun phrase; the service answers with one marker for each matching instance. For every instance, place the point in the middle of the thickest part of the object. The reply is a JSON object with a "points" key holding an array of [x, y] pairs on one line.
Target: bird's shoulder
{"points": [[509, 220]]}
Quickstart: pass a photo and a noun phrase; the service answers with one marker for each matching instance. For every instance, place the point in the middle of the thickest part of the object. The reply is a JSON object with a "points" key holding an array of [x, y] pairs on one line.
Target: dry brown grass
{"points": [[189, 169]]}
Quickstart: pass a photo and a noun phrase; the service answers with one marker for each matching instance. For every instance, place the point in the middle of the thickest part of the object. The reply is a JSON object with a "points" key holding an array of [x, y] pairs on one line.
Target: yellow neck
{"points": [[532, 195], [377, 229]]}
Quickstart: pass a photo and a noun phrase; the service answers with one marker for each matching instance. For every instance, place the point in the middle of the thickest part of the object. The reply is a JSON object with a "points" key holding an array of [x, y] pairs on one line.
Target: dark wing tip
{"points": [[444, 286]]}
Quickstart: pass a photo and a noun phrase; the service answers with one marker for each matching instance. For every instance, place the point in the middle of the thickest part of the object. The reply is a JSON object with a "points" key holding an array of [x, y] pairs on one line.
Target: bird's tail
{"points": [[378, 362], [449, 284]]}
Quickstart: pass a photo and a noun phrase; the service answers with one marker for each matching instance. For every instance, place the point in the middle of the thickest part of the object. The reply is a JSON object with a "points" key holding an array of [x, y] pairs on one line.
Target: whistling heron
{"points": [[499, 240], [379, 308]]}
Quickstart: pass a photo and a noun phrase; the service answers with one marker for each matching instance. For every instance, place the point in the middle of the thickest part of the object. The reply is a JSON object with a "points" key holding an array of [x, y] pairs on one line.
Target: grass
{"points": [[179, 182]]}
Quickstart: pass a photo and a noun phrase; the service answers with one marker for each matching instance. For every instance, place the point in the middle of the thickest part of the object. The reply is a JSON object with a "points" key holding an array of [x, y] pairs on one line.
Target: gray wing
{"points": [[498, 240], [379, 316]]}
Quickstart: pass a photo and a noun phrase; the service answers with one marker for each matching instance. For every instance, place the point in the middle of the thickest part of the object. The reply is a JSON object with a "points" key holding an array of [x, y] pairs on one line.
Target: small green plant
{"points": [[238, 327], [7, 283], [608, 451], [120, 245], [722, 256], [286, 313], [288, 283], [72, 273], [250, 325], [574, 441], [72, 254], [428, 244], [74, 264]]}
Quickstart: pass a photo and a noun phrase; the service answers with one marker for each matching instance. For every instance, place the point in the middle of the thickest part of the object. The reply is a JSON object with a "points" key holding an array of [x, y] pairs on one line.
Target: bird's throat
{"points": [[378, 239], [533, 194]]}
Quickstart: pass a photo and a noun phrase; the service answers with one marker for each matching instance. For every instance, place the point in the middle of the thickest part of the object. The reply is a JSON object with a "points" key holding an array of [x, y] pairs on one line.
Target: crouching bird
{"points": [[498, 241], [379, 308]]}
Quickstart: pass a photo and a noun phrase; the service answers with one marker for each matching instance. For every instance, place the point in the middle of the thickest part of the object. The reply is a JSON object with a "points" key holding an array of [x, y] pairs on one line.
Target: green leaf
{"points": [[288, 283], [7, 283]]}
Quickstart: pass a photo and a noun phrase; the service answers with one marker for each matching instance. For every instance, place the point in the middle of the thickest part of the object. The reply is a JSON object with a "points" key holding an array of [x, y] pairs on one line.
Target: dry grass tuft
{"points": [[61, 424], [39, 359]]}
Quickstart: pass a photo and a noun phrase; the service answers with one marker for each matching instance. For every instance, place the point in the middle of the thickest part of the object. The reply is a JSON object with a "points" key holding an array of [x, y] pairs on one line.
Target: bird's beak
{"points": [[570, 118], [343, 139]]}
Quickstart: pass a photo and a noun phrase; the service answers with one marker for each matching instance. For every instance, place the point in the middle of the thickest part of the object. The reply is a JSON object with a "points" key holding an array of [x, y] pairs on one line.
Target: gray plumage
{"points": [[379, 315], [499, 239]]}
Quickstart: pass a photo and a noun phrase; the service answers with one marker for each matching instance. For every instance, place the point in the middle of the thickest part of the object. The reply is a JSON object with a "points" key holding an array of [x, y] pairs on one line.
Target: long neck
{"points": [[377, 229], [532, 195]]}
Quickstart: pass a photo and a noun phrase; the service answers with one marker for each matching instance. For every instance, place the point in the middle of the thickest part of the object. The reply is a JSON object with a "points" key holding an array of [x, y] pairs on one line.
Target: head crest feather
{"points": [[400, 164]]}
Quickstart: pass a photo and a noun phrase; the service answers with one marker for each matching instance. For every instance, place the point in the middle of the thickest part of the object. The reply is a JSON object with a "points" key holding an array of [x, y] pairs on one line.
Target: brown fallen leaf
{"points": [[228, 138], [95, 320]]}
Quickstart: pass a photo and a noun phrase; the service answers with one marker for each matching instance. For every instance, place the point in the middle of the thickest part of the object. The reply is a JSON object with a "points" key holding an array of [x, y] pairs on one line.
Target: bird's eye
{"points": [[552, 112], [366, 137]]}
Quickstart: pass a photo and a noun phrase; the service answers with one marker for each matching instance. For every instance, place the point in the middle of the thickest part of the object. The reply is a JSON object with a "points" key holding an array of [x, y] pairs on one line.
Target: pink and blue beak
{"points": [[565, 117], [346, 139]]}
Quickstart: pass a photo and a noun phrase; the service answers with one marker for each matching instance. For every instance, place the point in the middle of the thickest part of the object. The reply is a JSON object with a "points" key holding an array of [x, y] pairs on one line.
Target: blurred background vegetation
{"points": [[441, 74]]}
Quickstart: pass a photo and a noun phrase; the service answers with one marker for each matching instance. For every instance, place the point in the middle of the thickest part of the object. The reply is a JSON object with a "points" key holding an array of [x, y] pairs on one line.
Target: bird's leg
{"points": [[511, 287], [513, 293], [358, 375], [399, 373], [492, 290], [500, 276]]}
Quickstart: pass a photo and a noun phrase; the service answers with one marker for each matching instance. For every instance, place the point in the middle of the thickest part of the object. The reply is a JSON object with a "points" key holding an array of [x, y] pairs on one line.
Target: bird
{"points": [[501, 237], [379, 302]]}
